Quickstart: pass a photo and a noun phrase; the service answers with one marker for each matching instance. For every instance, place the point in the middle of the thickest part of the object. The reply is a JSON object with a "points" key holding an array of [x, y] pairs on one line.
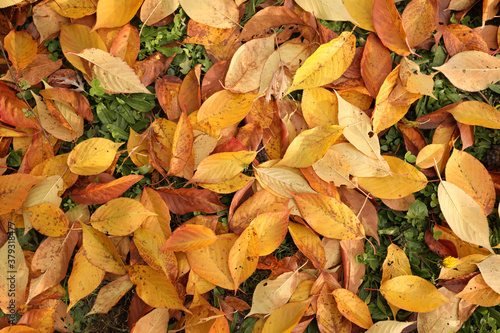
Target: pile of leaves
{"points": [[209, 146]]}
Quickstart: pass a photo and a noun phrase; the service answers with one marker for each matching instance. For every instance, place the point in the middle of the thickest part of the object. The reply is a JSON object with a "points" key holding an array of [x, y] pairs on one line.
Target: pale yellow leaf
{"points": [[114, 74], [464, 215], [334, 168], [222, 14], [271, 294], [153, 11], [471, 70], [331, 10], [326, 64], [358, 128], [230, 185], [281, 180], [478, 292], [155, 321], [361, 165], [490, 269], [389, 326], [247, 64]]}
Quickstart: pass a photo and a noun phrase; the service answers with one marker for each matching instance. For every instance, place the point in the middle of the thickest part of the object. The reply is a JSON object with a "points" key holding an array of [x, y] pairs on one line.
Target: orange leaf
{"points": [[99, 193], [14, 189], [309, 244], [189, 237], [243, 256], [182, 146], [389, 27], [48, 219], [376, 64], [127, 44], [21, 48], [353, 308]]}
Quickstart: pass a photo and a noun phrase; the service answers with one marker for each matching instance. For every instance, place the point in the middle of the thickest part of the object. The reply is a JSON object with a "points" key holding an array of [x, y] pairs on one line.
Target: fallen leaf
{"points": [[412, 293], [243, 256], [114, 74], [189, 237], [353, 308], [471, 70], [21, 48], [92, 156], [286, 317], [219, 14], [326, 64], [389, 27], [464, 215], [115, 13], [478, 292], [110, 294], [153, 11]]}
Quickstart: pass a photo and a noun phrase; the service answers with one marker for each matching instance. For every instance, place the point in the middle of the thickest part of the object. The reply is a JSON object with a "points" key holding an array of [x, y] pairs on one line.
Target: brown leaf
{"points": [[459, 38], [389, 27], [376, 64], [184, 200]]}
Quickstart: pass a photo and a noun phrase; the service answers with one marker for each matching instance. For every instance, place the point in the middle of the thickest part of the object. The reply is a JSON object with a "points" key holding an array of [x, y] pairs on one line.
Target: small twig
{"points": [[22, 92]]}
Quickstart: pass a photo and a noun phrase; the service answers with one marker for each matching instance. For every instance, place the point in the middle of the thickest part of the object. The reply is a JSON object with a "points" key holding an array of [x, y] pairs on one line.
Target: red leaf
{"points": [[11, 109], [442, 247]]}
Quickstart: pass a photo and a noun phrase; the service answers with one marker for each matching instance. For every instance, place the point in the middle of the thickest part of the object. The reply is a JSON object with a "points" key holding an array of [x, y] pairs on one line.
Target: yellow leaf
{"points": [[362, 12], [309, 244], [224, 109], [286, 317], [211, 262], [230, 185], [310, 145], [471, 70], [430, 155], [353, 308], [148, 244], [319, 107], [115, 13], [403, 181], [476, 113], [84, 278], [21, 48], [153, 11], [326, 64], [113, 73], [358, 128], [419, 21], [47, 219], [412, 293], [222, 14], [100, 251], [72, 8], [468, 173], [120, 216], [464, 215], [247, 64], [395, 264], [189, 237], [92, 156], [329, 217], [154, 288], [220, 167], [271, 228], [477, 291], [271, 294], [9, 3], [74, 38], [244, 256]]}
